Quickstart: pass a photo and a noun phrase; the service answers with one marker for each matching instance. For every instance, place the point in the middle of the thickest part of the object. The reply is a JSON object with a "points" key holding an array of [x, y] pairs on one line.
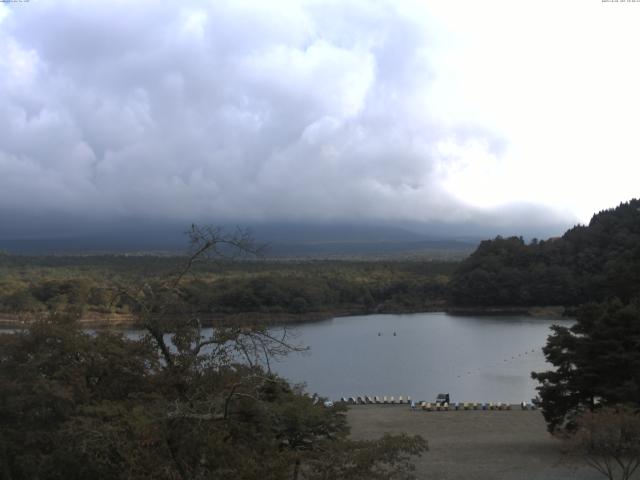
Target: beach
{"points": [[474, 445]]}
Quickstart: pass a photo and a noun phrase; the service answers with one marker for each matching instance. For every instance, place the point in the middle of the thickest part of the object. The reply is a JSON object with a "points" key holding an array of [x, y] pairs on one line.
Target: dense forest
{"points": [[36, 284], [588, 263]]}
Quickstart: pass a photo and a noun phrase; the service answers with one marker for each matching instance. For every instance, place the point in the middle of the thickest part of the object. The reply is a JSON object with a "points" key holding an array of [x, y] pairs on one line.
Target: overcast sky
{"points": [[454, 111]]}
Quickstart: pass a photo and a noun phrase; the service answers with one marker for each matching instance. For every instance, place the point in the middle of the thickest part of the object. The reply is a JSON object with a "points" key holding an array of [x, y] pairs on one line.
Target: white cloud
{"points": [[313, 110], [558, 82]]}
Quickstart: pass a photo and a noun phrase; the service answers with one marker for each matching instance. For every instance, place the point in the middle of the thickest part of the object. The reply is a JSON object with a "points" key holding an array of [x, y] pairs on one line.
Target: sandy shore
{"points": [[474, 445]]}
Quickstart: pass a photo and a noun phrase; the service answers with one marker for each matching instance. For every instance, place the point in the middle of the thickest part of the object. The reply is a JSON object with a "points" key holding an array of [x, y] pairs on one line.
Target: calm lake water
{"points": [[477, 359]]}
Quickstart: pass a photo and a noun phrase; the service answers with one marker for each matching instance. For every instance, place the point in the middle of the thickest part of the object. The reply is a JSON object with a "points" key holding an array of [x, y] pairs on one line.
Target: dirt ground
{"points": [[474, 445]]}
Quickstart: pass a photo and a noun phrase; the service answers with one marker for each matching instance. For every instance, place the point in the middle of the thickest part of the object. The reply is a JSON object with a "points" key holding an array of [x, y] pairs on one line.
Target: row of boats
{"points": [[379, 400], [442, 403]]}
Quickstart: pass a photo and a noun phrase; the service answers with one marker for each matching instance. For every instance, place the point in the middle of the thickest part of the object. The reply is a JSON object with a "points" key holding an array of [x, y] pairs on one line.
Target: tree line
{"points": [[41, 284], [588, 263]]}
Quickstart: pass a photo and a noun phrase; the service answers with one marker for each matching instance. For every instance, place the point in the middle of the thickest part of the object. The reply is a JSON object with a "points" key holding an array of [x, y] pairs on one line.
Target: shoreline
{"points": [[535, 311], [127, 320]]}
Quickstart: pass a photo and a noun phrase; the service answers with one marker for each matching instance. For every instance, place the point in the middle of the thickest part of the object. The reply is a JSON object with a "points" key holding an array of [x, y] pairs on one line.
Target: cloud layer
{"points": [[243, 111]]}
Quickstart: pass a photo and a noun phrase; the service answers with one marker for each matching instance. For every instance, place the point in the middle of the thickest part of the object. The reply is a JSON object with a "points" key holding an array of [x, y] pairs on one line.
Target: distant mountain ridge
{"points": [[282, 240]]}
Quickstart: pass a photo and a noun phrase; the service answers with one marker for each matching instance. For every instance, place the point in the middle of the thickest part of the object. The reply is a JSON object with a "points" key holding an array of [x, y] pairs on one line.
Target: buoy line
{"points": [[515, 356]]}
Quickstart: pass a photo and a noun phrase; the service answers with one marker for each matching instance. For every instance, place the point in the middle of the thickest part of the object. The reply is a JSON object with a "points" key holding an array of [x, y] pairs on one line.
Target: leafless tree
{"points": [[176, 329]]}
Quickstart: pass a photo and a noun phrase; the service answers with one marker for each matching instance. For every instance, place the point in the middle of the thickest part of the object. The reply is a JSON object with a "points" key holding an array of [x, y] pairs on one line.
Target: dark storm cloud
{"points": [[225, 110]]}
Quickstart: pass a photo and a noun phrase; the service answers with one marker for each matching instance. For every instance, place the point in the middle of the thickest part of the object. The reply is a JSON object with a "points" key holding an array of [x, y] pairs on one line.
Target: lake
{"points": [[479, 359], [473, 358]]}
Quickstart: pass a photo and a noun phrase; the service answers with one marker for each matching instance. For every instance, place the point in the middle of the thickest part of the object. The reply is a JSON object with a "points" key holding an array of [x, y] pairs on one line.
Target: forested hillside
{"points": [[31, 284], [588, 263]]}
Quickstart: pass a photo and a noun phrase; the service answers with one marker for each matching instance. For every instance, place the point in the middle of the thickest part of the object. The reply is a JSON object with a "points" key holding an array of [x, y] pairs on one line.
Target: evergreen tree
{"points": [[597, 362]]}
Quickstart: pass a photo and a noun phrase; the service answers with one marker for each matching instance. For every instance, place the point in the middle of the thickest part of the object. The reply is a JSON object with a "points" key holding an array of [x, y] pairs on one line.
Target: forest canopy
{"points": [[34, 284], [588, 263]]}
